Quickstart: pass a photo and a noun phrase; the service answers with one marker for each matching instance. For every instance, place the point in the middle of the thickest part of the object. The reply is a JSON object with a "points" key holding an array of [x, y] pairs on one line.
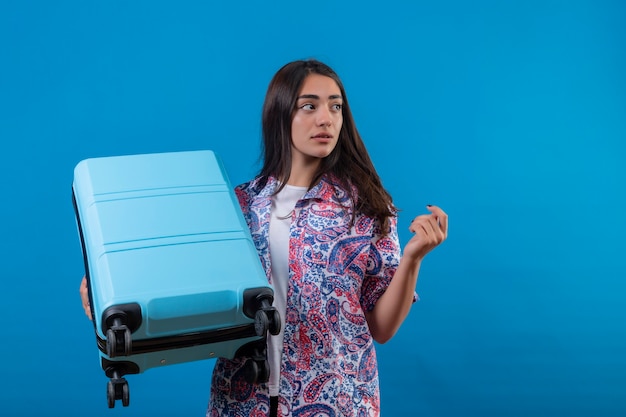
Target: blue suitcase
{"points": [[172, 271]]}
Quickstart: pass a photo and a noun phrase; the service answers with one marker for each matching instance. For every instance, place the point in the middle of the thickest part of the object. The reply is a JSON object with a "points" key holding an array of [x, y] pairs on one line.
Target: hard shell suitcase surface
{"points": [[172, 271]]}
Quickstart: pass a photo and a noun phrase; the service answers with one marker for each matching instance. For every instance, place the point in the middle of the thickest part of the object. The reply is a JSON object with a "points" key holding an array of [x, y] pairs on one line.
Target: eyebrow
{"points": [[316, 97]]}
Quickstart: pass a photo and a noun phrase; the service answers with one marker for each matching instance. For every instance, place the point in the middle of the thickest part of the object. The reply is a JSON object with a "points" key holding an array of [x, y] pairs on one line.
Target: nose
{"points": [[324, 117]]}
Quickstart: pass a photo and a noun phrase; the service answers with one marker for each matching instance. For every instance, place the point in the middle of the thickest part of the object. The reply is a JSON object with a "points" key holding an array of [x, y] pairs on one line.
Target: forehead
{"points": [[320, 85]]}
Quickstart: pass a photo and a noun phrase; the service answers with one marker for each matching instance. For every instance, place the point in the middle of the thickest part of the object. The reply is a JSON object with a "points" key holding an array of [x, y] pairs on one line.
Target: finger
{"points": [[427, 229], [84, 295], [434, 233], [430, 232], [416, 221], [87, 308], [441, 216]]}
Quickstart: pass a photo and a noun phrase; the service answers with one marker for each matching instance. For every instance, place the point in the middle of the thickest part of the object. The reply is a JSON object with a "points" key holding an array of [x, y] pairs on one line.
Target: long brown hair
{"points": [[349, 163]]}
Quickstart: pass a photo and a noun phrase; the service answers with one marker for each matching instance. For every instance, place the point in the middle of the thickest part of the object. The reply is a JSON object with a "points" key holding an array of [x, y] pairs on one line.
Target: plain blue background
{"points": [[510, 115]]}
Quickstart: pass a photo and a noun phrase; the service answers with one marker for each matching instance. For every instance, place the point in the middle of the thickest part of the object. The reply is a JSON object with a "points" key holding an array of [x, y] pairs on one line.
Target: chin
{"points": [[321, 155]]}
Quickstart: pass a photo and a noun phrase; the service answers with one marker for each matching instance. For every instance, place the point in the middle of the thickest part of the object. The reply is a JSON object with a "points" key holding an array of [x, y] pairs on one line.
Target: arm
{"points": [[394, 305]]}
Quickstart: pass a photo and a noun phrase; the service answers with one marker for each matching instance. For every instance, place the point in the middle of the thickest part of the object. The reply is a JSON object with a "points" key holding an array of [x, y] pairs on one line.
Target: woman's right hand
{"points": [[84, 296]]}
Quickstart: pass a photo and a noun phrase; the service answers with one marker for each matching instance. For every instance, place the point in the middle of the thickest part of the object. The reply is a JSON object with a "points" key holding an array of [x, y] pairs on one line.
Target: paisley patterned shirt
{"points": [[337, 272]]}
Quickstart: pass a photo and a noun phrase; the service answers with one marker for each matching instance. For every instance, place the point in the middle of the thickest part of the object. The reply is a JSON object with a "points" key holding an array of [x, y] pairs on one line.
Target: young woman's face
{"points": [[317, 121]]}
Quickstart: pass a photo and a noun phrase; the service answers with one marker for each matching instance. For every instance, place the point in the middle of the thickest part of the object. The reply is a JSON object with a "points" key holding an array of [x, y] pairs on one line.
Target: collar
{"points": [[327, 189]]}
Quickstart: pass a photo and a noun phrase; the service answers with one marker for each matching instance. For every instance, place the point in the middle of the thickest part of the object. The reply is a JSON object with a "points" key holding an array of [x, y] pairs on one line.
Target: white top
{"points": [[283, 204]]}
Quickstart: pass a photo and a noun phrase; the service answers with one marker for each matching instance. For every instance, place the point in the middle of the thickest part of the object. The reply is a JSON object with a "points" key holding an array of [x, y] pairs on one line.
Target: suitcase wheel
{"points": [[257, 304], [261, 323], [117, 389], [274, 322], [257, 371], [251, 371], [266, 320], [119, 341]]}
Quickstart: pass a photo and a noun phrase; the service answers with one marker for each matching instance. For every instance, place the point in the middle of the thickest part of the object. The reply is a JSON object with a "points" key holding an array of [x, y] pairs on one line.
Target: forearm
{"points": [[394, 305]]}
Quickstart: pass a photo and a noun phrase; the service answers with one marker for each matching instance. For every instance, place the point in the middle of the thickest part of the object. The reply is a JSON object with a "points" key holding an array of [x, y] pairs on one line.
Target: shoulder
{"points": [[244, 193], [331, 189], [243, 188], [257, 188]]}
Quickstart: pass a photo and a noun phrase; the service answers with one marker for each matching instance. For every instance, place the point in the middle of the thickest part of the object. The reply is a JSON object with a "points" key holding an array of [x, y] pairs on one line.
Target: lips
{"points": [[323, 136]]}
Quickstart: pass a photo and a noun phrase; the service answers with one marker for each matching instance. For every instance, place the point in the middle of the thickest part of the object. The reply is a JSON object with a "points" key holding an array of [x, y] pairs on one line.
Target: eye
{"points": [[307, 106], [337, 107]]}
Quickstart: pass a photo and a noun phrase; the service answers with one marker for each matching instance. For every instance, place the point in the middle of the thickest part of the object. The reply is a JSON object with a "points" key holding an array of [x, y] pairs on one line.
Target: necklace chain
{"points": [[285, 217]]}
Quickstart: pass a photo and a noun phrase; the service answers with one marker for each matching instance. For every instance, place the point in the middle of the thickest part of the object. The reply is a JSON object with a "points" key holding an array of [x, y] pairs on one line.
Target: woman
{"points": [[325, 229], [326, 233]]}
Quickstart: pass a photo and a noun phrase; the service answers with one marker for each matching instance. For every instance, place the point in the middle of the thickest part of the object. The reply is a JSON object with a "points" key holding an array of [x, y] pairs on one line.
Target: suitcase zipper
{"points": [[185, 340]]}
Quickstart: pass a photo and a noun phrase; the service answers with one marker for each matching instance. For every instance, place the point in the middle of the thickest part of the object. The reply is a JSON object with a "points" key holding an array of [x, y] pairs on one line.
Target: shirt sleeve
{"points": [[383, 260]]}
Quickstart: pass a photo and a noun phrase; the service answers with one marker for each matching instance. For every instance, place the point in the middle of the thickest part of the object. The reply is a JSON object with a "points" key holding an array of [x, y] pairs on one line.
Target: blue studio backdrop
{"points": [[509, 115]]}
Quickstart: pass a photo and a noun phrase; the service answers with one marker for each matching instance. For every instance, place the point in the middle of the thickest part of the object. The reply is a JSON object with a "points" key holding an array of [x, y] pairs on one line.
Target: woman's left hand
{"points": [[430, 230]]}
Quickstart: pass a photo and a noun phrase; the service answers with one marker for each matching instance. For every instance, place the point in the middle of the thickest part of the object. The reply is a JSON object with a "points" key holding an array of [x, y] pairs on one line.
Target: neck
{"points": [[302, 172]]}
